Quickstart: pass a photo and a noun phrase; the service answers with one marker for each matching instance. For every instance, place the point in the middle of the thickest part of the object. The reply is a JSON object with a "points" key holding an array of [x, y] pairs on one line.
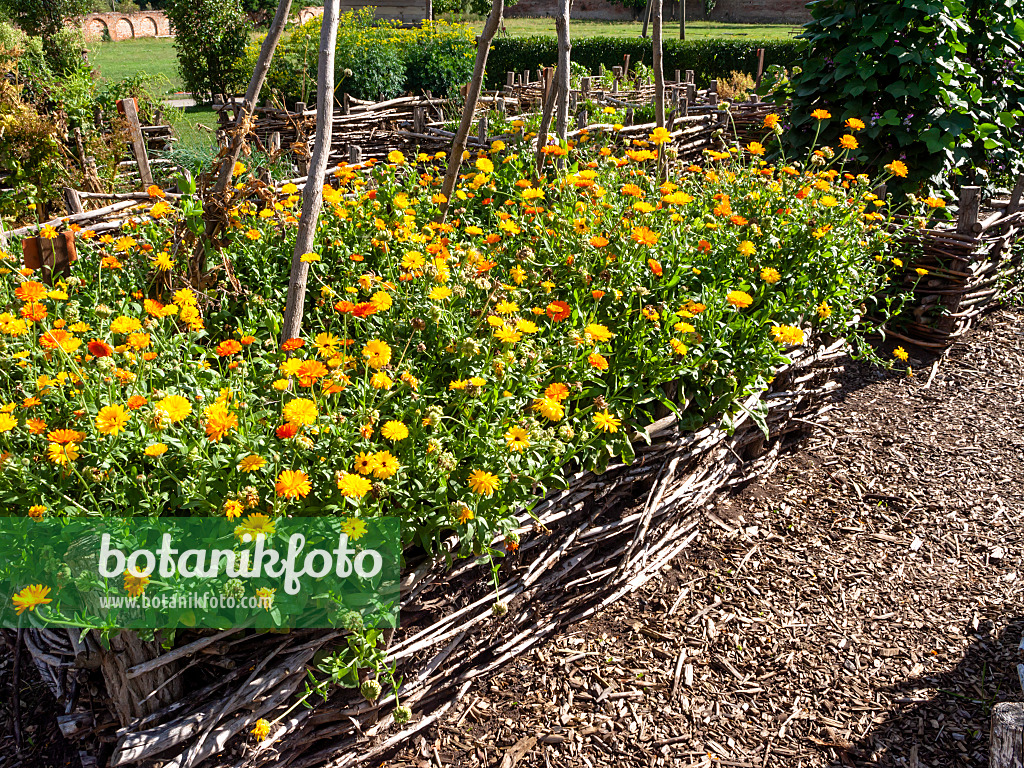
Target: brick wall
{"points": [[125, 26]]}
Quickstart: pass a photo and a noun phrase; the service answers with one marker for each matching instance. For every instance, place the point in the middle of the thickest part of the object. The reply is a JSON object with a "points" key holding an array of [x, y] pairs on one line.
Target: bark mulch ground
{"points": [[862, 605]]}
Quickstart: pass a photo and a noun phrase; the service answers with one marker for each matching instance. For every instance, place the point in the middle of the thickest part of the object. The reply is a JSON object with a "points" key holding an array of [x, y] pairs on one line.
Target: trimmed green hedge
{"points": [[709, 59]]}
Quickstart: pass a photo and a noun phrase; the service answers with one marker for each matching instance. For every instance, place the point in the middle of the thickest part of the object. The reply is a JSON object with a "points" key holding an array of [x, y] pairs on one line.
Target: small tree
{"points": [[52, 21], [209, 37]]}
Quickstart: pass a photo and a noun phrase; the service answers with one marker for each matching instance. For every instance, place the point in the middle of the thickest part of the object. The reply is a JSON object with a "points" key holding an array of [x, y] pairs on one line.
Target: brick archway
{"points": [[123, 29]]}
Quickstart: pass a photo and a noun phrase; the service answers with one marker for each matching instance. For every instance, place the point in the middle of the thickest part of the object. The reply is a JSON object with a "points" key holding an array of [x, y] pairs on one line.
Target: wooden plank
{"points": [[138, 141], [970, 202]]}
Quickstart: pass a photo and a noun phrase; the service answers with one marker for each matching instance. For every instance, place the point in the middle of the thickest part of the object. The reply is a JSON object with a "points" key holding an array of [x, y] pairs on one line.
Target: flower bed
{"points": [[451, 374]]}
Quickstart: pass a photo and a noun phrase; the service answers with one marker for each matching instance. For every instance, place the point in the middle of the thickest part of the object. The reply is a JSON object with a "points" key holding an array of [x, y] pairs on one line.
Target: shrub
{"points": [[209, 38], [939, 85], [373, 59], [50, 21], [709, 59], [737, 87]]}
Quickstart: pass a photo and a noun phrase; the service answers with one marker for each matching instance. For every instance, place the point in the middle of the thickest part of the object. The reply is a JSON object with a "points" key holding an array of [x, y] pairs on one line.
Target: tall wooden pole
{"points": [[472, 96], [682, 19], [562, 81], [659, 71], [313, 195], [252, 94]]}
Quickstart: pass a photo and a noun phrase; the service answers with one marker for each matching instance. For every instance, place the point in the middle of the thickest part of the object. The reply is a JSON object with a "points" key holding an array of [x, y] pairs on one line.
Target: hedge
{"points": [[709, 59]]}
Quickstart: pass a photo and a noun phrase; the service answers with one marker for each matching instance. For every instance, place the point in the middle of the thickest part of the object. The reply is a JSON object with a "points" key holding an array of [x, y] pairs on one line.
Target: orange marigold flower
{"points": [[228, 347], [739, 299], [292, 484], [644, 236]]}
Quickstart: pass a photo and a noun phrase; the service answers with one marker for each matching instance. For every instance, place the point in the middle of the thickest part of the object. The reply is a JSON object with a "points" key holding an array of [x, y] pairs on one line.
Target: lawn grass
{"points": [[153, 56]]}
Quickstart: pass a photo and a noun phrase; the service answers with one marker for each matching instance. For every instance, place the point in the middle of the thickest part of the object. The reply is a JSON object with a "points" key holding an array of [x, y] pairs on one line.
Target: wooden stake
{"points": [[1016, 195], [1006, 744], [73, 201], [970, 202], [312, 195], [545, 119], [562, 85], [472, 97], [138, 141]]}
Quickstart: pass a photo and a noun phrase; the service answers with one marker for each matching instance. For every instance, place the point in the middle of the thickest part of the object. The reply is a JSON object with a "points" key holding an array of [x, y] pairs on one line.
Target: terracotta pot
{"points": [[120, 106]]}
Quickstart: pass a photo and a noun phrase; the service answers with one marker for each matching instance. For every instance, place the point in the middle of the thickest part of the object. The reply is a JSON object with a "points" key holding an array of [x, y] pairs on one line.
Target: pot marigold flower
{"points": [[7, 422], [558, 311], [660, 135], [606, 422], [598, 241], [292, 484], [261, 729], [381, 380], [482, 483], [36, 426], [30, 292], [824, 311], [353, 486], [787, 334], [655, 266], [848, 142], [703, 246], [175, 407], [900, 354], [518, 439], [292, 344], [36, 511], [251, 463], [228, 347], [156, 449], [135, 584], [897, 168], [755, 148], [597, 332], [354, 528], [394, 431], [549, 408], [286, 431], [377, 353], [770, 275], [65, 436], [385, 465], [557, 391], [934, 202], [821, 114], [300, 412], [739, 299], [135, 402], [29, 598], [598, 361], [125, 325], [855, 124], [111, 419], [219, 422], [746, 248], [507, 335], [644, 236], [62, 455], [771, 121]]}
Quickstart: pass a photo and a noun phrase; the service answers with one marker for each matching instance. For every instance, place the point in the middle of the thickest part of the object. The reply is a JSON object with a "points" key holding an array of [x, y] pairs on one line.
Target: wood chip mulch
{"points": [[862, 605]]}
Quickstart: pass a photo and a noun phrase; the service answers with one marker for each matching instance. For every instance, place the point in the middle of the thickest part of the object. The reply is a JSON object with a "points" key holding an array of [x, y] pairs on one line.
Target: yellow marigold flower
{"points": [[252, 463], [755, 148], [606, 422], [549, 408], [770, 275], [262, 728], [597, 332], [382, 301], [7, 422], [381, 380], [484, 165], [111, 419], [385, 465], [483, 483], [787, 334], [518, 439], [156, 449], [394, 431], [934, 202], [821, 114], [644, 236], [395, 157], [848, 142], [897, 168], [62, 455], [439, 293], [135, 583], [855, 124], [377, 353], [824, 311], [507, 335], [659, 136], [29, 598], [900, 354], [125, 325], [300, 412], [739, 299], [291, 484], [557, 391], [746, 248], [353, 486], [36, 511], [598, 361], [921, 271], [219, 422], [770, 121], [175, 407]]}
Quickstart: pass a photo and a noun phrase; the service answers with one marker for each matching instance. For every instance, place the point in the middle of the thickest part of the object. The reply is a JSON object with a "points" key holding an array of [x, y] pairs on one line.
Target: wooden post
{"points": [[472, 96], [73, 201], [562, 83], [1006, 742], [545, 119], [419, 120], [526, 77], [481, 130], [659, 71], [97, 116], [430, 10], [346, 103], [713, 87], [760, 67], [275, 141], [682, 19], [880, 191], [313, 194], [970, 202], [629, 116], [1015, 197], [355, 154], [300, 108], [510, 79], [138, 140], [647, 18], [252, 94]]}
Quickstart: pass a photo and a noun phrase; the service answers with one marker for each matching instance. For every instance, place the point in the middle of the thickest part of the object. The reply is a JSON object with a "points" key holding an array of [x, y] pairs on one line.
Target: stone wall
{"points": [[125, 26]]}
